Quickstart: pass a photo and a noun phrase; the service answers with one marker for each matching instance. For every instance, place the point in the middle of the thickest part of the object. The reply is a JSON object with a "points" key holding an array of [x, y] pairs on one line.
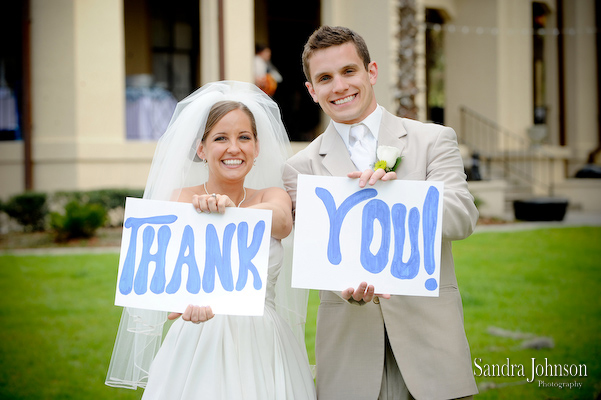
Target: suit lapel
{"points": [[336, 158], [392, 132]]}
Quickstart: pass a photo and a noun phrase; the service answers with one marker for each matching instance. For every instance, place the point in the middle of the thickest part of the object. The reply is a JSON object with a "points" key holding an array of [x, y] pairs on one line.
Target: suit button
{"points": [[376, 300]]}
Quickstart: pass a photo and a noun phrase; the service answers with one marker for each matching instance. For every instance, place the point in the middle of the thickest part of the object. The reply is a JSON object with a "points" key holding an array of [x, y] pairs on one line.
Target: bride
{"points": [[209, 156]]}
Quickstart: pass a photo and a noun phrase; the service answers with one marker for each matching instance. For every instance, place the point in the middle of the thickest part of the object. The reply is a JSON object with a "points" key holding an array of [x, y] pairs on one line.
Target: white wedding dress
{"points": [[233, 357]]}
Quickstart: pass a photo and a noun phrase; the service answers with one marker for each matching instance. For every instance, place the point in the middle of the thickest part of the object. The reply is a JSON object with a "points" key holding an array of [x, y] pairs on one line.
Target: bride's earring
{"points": [[255, 162]]}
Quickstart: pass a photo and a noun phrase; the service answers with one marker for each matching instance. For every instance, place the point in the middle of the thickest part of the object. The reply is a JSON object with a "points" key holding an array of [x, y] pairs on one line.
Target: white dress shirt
{"points": [[370, 141]]}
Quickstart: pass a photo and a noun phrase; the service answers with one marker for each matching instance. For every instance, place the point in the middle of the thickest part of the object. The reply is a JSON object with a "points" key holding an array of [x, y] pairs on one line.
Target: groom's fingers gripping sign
{"points": [[363, 292], [370, 176]]}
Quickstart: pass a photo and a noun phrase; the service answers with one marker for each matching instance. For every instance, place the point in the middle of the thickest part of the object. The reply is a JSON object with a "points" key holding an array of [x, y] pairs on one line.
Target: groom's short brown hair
{"points": [[327, 36]]}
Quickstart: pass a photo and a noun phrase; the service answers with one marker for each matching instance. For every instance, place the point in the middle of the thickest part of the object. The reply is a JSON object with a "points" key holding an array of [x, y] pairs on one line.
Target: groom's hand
{"points": [[363, 294], [370, 176]]}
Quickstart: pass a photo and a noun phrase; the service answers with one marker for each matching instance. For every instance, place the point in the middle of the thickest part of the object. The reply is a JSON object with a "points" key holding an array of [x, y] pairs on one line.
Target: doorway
{"points": [[435, 66], [284, 27]]}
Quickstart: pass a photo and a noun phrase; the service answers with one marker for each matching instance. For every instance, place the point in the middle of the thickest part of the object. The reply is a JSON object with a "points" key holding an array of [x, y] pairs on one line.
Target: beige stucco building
{"points": [[73, 59]]}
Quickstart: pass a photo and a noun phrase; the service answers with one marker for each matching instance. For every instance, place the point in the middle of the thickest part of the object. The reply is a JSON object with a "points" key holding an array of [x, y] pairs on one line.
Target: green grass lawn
{"points": [[59, 324], [543, 282]]}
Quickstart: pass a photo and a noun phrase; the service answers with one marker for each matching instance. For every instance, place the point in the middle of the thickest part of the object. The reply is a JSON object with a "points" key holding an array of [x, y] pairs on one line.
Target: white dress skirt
{"points": [[233, 357]]}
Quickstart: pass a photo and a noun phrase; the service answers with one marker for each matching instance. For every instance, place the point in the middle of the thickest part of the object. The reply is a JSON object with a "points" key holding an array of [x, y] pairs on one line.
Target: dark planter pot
{"points": [[437, 115], [540, 209]]}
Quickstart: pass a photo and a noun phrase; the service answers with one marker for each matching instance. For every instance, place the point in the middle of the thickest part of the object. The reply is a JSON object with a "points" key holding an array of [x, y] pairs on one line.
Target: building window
{"points": [[11, 70], [162, 47], [175, 45], [539, 22], [435, 63]]}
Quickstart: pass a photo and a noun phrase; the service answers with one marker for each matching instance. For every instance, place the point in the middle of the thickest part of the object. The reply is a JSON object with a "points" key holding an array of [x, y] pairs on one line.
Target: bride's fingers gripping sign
{"points": [[194, 314], [197, 314], [212, 202]]}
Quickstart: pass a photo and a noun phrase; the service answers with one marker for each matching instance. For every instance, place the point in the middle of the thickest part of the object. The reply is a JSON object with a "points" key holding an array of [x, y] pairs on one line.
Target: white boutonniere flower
{"points": [[389, 158]]}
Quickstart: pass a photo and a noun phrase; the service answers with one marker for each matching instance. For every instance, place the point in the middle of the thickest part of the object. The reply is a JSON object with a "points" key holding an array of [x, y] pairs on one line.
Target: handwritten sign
{"points": [[172, 256], [388, 235]]}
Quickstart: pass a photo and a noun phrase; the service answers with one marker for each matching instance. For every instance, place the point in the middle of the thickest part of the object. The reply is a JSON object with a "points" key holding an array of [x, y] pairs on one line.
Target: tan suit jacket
{"points": [[426, 334]]}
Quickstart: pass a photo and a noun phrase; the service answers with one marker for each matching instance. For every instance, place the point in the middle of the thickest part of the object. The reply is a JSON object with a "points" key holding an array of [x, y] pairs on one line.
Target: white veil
{"points": [[174, 167]]}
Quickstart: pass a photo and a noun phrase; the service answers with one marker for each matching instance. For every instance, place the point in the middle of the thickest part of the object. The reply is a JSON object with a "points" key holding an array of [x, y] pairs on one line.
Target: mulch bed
{"points": [[105, 237]]}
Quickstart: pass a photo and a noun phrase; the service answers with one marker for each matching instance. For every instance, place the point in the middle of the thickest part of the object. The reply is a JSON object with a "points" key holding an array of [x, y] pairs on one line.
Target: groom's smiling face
{"points": [[341, 84]]}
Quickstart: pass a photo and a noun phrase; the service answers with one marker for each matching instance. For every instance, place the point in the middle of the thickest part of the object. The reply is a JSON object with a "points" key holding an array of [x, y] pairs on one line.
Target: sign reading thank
{"points": [[388, 235], [172, 256]]}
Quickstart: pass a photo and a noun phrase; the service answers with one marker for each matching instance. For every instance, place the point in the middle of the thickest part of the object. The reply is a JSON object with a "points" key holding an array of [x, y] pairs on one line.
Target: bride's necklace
{"points": [[243, 197]]}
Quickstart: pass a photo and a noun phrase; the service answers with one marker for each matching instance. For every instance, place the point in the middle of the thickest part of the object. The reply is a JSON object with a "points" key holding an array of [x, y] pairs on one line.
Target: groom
{"points": [[370, 346]]}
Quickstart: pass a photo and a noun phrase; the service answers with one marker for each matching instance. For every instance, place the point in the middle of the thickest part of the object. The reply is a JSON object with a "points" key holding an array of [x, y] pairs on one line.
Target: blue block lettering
{"points": [[193, 284], [375, 210], [431, 284], [157, 284], [246, 254], [398, 268], [126, 281], [337, 216], [430, 213], [216, 260]]}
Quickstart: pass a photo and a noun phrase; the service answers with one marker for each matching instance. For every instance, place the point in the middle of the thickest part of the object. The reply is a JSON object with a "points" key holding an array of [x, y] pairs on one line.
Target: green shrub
{"points": [[110, 199], [29, 209], [81, 220]]}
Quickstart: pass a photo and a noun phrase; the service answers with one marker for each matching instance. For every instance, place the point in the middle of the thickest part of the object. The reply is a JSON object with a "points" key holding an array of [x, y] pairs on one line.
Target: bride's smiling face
{"points": [[230, 147]]}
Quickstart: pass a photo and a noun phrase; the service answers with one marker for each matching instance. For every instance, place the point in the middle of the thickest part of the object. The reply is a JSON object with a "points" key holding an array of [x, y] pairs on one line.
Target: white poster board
{"points": [[388, 235], [172, 256]]}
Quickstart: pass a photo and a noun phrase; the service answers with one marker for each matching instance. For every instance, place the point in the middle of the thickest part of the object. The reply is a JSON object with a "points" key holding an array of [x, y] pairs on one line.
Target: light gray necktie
{"points": [[360, 148]]}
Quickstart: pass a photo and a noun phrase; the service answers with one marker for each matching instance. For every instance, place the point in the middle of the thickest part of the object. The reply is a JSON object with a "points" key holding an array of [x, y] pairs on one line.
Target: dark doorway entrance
{"points": [[284, 27], [435, 66]]}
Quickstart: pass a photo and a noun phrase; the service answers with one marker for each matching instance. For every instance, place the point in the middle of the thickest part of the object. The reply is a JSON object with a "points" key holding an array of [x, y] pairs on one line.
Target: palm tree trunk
{"points": [[407, 56]]}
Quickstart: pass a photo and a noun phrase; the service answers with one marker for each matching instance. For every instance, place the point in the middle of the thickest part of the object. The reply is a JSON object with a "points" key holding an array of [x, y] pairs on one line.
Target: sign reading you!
{"points": [[388, 235], [172, 256]]}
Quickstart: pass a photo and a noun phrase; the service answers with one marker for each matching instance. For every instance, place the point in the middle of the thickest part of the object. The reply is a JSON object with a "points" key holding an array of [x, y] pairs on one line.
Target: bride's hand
{"points": [[212, 202], [174, 315], [195, 314]]}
